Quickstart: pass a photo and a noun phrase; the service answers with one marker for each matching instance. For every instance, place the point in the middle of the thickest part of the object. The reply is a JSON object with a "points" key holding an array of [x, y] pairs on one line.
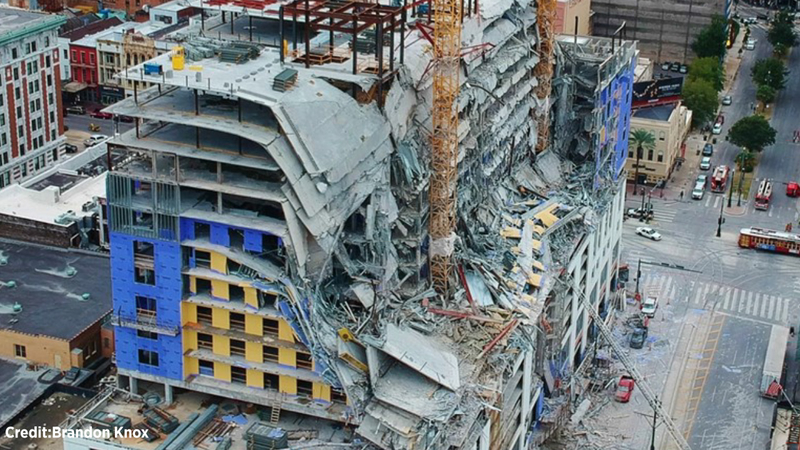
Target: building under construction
{"points": [[268, 224]]}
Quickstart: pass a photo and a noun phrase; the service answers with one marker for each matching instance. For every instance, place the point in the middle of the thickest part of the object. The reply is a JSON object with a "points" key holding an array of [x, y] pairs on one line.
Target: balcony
{"points": [[144, 322]]}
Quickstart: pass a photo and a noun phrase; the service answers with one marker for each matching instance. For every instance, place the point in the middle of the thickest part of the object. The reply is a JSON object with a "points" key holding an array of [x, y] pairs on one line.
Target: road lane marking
{"points": [[716, 201], [764, 303], [771, 310], [708, 201], [785, 315], [726, 303]]}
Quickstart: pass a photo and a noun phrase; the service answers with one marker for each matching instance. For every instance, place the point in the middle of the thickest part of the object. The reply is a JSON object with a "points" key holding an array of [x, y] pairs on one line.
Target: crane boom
{"points": [[648, 393], [444, 141]]}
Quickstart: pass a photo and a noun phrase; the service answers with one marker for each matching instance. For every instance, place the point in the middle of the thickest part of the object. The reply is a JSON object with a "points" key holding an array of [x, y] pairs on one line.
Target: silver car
{"points": [[705, 163]]}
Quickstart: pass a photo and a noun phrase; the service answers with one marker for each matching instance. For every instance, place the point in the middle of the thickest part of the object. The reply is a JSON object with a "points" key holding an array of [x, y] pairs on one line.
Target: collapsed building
{"points": [[268, 228]]}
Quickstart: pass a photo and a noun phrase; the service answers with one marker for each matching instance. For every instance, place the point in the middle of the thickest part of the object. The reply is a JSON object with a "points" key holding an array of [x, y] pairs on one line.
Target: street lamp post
{"points": [[653, 437], [730, 194], [741, 181], [719, 221], [638, 296]]}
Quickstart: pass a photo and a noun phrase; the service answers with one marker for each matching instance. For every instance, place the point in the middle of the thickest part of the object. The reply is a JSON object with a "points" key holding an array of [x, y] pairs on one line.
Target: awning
{"points": [[73, 87]]}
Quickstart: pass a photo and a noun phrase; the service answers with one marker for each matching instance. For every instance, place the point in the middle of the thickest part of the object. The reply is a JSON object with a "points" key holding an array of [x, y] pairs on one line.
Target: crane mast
{"points": [[444, 149]]}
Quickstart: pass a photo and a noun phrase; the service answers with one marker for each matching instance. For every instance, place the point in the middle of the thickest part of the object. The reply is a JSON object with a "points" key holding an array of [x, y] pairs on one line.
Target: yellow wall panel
{"points": [[222, 345], [287, 357], [188, 313], [189, 340], [219, 289], [222, 371], [322, 392], [285, 332], [255, 378], [253, 352], [288, 385], [250, 297], [190, 367], [253, 325], [220, 318], [219, 263], [193, 284]]}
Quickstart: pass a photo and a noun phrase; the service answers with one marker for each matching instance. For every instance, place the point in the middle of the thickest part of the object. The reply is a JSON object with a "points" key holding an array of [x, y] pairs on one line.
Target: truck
{"points": [[792, 189], [719, 178], [764, 195], [773, 361], [153, 69]]}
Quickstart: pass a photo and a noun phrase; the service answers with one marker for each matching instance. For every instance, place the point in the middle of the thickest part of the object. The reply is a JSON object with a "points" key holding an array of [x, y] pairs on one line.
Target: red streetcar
{"points": [[770, 240]]}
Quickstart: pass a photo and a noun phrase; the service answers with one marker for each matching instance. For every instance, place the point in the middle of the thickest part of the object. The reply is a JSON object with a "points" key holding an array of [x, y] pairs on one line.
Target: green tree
{"points": [[752, 133], [765, 94], [780, 50], [642, 140], [782, 30], [701, 97], [770, 72], [711, 40], [746, 160], [707, 69]]}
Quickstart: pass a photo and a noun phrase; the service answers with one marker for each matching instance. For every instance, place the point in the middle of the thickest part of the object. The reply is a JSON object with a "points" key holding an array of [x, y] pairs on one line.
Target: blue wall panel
{"points": [[252, 241], [166, 292], [219, 235]]}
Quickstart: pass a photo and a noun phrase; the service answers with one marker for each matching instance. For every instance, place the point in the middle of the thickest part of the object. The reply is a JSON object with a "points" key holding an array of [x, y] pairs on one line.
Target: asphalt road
{"points": [[750, 290], [78, 122]]}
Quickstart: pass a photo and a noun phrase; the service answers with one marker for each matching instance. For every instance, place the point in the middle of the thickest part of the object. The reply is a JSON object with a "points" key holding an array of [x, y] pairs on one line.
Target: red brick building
{"points": [[83, 57]]}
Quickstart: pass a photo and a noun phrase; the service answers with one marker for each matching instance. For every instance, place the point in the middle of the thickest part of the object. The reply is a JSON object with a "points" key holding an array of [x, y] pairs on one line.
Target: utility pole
{"points": [[730, 194], [655, 417], [719, 221]]}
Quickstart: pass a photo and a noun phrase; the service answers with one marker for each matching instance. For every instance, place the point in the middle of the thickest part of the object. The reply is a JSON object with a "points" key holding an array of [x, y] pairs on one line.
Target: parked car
{"points": [[675, 67], [665, 65], [717, 128], [649, 233], [750, 45], [708, 150], [698, 191], [75, 109], [95, 139], [126, 119], [762, 16], [705, 163], [702, 178], [97, 114], [684, 69], [638, 338], [649, 306], [625, 388], [727, 100], [71, 148]]}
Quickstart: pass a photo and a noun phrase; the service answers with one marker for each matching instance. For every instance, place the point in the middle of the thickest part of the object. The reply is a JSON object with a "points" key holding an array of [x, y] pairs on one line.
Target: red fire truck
{"points": [[719, 178], [764, 195]]}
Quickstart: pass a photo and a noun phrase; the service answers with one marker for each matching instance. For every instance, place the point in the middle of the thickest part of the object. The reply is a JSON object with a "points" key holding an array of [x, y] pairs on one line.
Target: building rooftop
{"points": [[15, 23], [19, 387], [659, 113], [51, 283], [67, 187], [92, 28]]}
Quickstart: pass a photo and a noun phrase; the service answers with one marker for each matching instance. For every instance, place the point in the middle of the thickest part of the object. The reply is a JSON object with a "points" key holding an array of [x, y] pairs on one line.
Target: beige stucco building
{"points": [[669, 125]]}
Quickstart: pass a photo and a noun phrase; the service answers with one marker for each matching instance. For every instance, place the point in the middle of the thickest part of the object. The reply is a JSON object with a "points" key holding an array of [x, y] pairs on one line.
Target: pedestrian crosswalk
{"points": [[709, 295]]}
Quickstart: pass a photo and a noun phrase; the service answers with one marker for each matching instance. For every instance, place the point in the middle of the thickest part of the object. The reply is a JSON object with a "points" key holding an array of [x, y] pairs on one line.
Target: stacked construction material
{"points": [[285, 80], [261, 436]]}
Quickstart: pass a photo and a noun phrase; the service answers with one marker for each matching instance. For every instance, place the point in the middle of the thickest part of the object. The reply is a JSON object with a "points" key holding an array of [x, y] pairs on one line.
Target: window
{"points": [[238, 375], [148, 357], [202, 259], [16, 75], [305, 388], [74, 55], [145, 276], [205, 341], [19, 112], [16, 92], [237, 321], [206, 368], [91, 59], [662, 136], [14, 53], [47, 58], [47, 41], [304, 361], [147, 334], [2, 119], [271, 381], [203, 286], [19, 351], [338, 396], [236, 293], [270, 327], [270, 354], [650, 155], [146, 308], [237, 347], [205, 315], [660, 156], [49, 80], [1, 100], [83, 58]]}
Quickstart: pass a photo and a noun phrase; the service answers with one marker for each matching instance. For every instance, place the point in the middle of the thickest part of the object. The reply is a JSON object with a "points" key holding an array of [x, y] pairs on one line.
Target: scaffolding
{"points": [[545, 18]]}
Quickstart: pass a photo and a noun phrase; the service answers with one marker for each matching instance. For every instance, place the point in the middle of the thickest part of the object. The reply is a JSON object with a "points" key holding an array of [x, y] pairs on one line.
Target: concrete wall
{"points": [[38, 349], [567, 11], [665, 29]]}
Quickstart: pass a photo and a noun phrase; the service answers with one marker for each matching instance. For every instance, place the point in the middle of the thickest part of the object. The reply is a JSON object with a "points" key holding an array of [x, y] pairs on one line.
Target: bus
{"points": [[764, 195], [769, 240]]}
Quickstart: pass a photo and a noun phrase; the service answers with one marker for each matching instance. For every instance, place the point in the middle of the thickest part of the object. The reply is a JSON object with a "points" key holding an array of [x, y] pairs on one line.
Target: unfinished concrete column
{"points": [[168, 394], [219, 202], [219, 172], [133, 385]]}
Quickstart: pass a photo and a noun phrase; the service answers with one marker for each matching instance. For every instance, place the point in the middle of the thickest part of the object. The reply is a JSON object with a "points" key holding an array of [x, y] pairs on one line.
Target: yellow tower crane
{"points": [[444, 148]]}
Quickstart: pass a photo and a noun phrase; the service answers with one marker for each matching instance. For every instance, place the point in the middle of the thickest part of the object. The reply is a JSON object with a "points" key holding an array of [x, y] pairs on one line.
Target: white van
{"points": [[717, 128], [750, 45]]}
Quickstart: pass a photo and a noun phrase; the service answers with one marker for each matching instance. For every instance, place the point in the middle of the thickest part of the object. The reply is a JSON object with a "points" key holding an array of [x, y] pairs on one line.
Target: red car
{"points": [[97, 114], [792, 189], [624, 389]]}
